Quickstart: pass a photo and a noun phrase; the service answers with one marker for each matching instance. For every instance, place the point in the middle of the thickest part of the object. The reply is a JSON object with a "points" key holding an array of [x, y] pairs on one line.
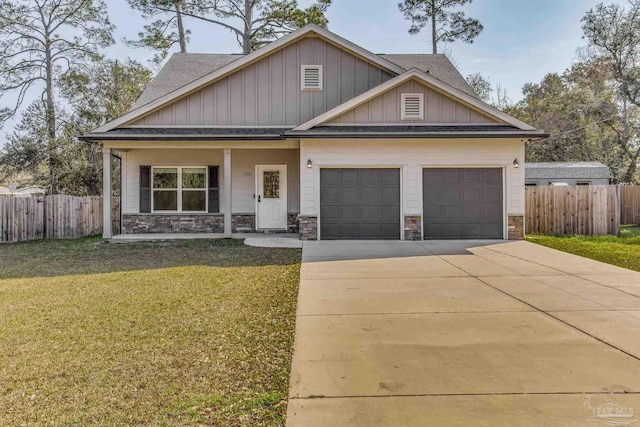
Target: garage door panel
{"points": [[452, 193], [390, 213], [473, 193], [435, 194], [463, 203], [451, 176], [348, 212], [492, 193], [390, 177], [368, 204], [472, 175], [370, 195], [493, 177]]}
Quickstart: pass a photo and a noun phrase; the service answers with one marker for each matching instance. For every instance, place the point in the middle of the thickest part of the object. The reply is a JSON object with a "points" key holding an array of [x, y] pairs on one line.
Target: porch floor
{"points": [[264, 240]]}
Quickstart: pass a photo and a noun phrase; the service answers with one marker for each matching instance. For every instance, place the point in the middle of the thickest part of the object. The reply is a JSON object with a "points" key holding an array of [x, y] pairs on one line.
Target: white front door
{"points": [[271, 197]]}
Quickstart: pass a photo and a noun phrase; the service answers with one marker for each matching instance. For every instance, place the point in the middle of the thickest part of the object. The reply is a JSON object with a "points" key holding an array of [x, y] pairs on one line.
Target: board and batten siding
{"points": [[268, 92], [243, 164], [411, 156], [438, 108]]}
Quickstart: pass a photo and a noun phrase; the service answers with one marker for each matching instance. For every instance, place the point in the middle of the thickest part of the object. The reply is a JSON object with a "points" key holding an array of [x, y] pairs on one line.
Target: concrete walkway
{"points": [[459, 334]]}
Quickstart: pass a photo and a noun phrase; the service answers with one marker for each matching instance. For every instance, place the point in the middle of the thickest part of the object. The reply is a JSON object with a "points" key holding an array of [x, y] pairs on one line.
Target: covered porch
{"points": [[208, 189]]}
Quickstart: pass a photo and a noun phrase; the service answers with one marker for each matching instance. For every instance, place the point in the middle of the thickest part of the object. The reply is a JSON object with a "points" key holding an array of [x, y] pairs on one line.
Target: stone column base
{"points": [[308, 227], [516, 227], [412, 227]]}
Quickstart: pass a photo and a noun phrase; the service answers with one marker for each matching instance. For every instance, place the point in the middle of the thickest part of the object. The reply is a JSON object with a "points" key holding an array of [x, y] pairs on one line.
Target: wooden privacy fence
{"points": [[630, 204], [53, 217], [582, 209]]}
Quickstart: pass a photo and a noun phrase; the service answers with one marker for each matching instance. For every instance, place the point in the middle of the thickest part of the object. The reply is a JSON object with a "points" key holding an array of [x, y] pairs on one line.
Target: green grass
{"points": [[623, 251], [175, 334]]}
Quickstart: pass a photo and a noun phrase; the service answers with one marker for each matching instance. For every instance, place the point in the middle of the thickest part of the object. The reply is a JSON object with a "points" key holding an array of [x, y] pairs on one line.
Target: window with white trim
{"points": [[179, 189], [311, 77], [412, 106]]}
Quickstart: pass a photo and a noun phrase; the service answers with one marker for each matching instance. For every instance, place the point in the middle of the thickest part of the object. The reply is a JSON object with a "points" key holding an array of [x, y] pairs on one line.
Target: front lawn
{"points": [[182, 333], [623, 251]]}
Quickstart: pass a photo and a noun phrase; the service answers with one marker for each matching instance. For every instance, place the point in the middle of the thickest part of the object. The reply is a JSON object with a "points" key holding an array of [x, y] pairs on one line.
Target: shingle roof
{"points": [[566, 170], [439, 66], [183, 68]]}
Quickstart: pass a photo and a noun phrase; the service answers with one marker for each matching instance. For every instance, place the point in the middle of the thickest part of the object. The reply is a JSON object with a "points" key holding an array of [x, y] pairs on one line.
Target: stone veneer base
{"points": [[516, 227], [172, 223], [308, 227], [412, 227]]}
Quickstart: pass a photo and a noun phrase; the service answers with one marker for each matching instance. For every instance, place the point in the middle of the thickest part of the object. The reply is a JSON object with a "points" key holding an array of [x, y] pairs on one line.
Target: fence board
{"points": [[585, 210], [24, 218]]}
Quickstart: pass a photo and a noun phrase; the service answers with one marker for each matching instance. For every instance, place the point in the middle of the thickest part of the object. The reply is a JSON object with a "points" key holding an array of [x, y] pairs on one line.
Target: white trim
{"points": [[246, 60], [403, 106], [430, 81], [283, 179], [179, 190], [303, 78]]}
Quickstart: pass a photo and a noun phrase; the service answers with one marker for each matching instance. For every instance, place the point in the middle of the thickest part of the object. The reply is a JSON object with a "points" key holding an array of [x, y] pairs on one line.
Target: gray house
{"points": [[315, 133], [566, 173]]}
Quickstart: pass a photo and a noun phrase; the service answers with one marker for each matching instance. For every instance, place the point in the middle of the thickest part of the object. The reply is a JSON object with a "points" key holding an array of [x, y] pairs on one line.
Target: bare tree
{"points": [[40, 41]]}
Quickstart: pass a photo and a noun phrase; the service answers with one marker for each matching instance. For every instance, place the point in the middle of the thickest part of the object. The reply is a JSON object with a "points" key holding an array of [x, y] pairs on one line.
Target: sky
{"points": [[522, 40]]}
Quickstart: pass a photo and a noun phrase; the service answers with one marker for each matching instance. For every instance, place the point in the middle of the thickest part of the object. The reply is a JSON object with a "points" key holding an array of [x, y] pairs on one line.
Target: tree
{"points": [[93, 96], [40, 41], [576, 108], [481, 86], [253, 22], [614, 34], [446, 25]]}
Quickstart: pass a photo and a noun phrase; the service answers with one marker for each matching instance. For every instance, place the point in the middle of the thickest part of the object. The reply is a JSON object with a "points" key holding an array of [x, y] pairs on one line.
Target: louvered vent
{"points": [[311, 77], [412, 106]]}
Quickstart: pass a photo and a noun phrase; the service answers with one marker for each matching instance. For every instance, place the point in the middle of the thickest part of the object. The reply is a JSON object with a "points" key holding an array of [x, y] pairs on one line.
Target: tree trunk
{"points": [[246, 34], [434, 30], [181, 36], [629, 175], [50, 117]]}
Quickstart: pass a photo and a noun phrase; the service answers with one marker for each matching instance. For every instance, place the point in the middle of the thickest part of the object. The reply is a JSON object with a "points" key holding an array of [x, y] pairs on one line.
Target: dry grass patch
{"points": [[179, 333]]}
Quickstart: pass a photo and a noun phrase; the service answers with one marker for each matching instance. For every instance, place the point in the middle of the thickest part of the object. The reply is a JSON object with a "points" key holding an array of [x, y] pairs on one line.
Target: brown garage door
{"points": [[463, 203], [359, 203]]}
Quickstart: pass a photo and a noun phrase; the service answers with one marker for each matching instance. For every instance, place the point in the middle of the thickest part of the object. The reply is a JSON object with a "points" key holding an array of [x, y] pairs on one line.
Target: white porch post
{"points": [[227, 193], [106, 193]]}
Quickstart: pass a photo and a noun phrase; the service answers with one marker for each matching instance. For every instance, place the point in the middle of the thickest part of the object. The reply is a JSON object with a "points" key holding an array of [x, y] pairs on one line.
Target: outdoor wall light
{"points": [[309, 163], [516, 164]]}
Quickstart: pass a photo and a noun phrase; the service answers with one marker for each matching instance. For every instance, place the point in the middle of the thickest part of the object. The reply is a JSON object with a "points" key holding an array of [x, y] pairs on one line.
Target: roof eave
{"points": [[432, 135], [98, 137]]}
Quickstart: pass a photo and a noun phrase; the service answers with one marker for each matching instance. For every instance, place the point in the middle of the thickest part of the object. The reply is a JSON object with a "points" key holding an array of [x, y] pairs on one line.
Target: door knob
{"points": [[259, 199]]}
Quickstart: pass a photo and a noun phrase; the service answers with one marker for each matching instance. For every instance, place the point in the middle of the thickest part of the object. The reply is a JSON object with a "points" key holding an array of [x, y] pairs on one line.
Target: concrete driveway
{"points": [[459, 334]]}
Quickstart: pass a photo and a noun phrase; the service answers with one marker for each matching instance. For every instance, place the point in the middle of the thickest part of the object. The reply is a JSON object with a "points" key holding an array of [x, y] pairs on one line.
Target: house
{"points": [[316, 133], [566, 173]]}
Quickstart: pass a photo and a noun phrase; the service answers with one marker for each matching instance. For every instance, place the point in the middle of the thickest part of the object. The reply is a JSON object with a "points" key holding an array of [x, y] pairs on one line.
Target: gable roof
{"points": [[438, 66], [250, 58], [428, 80], [183, 68]]}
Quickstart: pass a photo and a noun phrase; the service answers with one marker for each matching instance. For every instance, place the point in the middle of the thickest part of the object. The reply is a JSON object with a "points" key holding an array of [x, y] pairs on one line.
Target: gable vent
{"points": [[412, 106], [311, 77]]}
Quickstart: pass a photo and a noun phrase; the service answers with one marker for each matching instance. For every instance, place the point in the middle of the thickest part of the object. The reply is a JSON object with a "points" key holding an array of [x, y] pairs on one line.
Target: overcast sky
{"points": [[522, 39]]}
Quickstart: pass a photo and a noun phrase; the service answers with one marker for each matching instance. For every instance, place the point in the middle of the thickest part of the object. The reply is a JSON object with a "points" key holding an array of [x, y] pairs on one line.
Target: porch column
{"points": [[106, 193], [227, 193]]}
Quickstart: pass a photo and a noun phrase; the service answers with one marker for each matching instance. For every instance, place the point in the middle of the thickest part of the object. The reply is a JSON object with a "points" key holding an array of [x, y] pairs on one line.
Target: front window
{"points": [[179, 189]]}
